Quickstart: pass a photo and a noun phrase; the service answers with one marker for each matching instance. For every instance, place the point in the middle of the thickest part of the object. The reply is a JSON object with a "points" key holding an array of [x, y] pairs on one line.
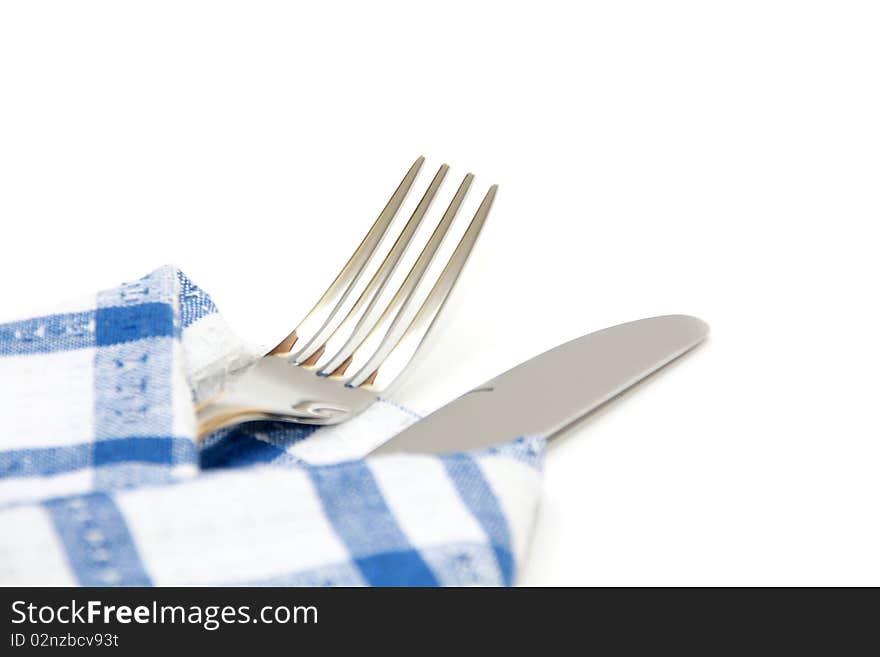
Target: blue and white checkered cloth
{"points": [[101, 482]]}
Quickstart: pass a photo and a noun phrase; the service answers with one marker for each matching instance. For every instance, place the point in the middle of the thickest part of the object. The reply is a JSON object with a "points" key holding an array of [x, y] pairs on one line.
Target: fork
{"points": [[349, 347]]}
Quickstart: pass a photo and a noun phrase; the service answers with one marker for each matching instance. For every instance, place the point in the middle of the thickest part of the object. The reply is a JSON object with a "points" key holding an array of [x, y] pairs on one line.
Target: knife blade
{"points": [[546, 394]]}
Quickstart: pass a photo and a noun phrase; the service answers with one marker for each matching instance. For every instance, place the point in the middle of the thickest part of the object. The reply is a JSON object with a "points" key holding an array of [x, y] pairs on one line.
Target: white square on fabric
{"points": [[517, 486], [230, 527], [424, 500], [26, 489], [59, 389], [30, 552]]}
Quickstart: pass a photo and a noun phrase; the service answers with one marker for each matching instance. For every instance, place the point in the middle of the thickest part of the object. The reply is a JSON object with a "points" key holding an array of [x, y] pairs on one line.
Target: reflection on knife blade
{"points": [[544, 395]]}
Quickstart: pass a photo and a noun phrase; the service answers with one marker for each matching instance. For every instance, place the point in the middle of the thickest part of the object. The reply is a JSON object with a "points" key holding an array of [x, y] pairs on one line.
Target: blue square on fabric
{"points": [[118, 324], [138, 449], [400, 568]]}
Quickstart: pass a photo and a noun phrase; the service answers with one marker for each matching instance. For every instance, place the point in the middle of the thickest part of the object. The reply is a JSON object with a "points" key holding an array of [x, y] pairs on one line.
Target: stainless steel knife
{"points": [[546, 394]]}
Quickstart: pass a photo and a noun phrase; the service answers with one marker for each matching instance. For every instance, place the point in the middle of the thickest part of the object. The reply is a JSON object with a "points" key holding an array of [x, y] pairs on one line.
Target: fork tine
{"points": [[314, 348], [357, 340], [395, 353], [354, 268]]}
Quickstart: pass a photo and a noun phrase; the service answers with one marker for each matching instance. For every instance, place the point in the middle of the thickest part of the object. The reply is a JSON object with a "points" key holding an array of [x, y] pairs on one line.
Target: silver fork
{"points": [[348, 348]]}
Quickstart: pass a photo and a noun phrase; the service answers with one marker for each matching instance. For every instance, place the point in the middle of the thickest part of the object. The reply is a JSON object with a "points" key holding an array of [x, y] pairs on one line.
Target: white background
{"points": [[715, 159]]}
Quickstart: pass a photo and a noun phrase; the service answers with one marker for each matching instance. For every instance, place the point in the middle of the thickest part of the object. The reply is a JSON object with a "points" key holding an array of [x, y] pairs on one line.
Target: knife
{"points": [[548, 393]]}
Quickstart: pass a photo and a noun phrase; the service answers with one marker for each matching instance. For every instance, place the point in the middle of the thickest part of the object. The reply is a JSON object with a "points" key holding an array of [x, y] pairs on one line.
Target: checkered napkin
{"points": [[101, 482]]}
